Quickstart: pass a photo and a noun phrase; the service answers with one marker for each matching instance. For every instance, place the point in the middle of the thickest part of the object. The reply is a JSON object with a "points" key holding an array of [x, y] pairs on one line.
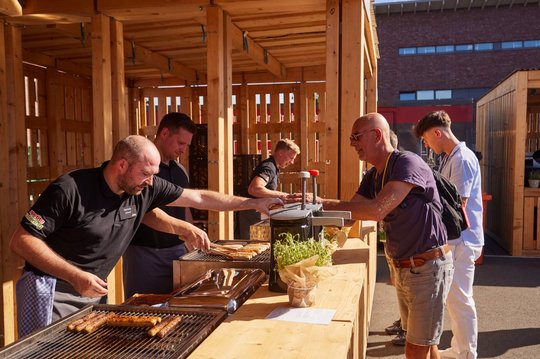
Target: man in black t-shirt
{"points": [[264, 182], [147, 262], [82, 223]]}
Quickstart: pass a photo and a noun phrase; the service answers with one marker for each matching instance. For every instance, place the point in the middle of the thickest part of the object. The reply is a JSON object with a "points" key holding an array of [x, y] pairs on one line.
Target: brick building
{"points": [[446, 54]]}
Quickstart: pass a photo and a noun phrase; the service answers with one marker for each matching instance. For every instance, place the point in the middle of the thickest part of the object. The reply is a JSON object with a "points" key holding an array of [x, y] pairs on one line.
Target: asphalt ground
{"points": [[507, 295]]}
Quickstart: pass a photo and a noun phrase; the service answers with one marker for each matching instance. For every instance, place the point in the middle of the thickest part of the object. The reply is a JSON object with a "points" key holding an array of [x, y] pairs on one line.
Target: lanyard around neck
{"points": [[384, 172]]}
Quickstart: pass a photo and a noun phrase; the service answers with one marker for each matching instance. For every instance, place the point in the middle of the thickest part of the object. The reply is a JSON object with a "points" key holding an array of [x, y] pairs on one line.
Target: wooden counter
{"points": [[247, 334]]}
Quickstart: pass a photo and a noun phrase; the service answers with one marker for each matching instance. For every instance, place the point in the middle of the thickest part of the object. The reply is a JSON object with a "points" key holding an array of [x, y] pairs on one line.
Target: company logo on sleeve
{"points": [[35, 219]]}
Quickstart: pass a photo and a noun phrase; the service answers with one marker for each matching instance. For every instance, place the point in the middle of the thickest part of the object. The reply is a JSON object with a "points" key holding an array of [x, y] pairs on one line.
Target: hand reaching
{"points": [[89, 285], [195, 238], [264, 205]]}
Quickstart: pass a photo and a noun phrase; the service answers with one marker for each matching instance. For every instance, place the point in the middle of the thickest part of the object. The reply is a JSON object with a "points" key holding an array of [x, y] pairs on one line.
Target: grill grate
{"points": [[55, 341], [203, 256]]}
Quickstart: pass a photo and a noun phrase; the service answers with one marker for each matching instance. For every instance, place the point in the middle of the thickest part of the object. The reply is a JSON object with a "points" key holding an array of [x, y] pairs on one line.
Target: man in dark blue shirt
{"points": [[147, 262]]}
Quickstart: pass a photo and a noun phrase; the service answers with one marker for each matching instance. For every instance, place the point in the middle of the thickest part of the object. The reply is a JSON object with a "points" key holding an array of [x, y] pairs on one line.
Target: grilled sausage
{"points": [[169, 327], [74, 324], [134, 321], [99, 322], [154, 330], [80, 327]]}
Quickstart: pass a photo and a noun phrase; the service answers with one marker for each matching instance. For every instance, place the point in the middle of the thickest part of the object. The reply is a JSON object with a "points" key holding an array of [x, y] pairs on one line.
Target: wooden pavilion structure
{"points": [[76, 76]]}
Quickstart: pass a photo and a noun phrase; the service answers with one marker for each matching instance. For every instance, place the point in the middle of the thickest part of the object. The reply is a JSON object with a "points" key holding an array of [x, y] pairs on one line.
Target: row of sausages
{"points": [[93, 321]]}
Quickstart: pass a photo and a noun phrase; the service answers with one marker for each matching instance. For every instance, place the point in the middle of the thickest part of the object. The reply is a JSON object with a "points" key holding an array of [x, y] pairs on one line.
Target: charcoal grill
{"points": [[191, 266], [55, 341]]}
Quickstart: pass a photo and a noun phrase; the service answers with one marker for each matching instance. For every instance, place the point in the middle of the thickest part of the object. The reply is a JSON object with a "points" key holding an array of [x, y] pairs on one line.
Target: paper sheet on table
{"points": [[303, 315]]}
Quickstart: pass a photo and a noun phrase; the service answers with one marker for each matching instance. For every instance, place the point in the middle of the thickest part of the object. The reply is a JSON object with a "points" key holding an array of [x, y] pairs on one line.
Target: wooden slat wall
{"points": [[261, 122]]}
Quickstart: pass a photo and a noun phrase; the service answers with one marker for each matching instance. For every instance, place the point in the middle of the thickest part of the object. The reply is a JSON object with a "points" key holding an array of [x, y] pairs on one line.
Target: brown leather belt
{"points": [[419, 259]]}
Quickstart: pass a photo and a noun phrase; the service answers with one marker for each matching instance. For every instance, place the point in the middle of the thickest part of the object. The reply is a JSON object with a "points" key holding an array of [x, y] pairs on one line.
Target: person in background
{"points": [[400, 190], [264, 182], [460, 165], [82, 223], [147, 262]]}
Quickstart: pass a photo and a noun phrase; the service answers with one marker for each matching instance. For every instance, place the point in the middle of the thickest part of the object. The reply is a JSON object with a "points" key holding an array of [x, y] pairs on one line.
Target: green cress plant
{"points": [[290, 250]]}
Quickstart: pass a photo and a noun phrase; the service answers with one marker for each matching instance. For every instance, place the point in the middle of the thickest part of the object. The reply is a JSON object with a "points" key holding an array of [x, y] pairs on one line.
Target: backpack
{"points": [[453, 214]]}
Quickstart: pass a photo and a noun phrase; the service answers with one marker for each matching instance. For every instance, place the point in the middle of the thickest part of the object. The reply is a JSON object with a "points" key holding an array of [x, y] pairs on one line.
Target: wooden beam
{"points": [[162, 63], [10, 8], [49, 61], [79, 7], [148, 57], [148, 10], [256, 52]]}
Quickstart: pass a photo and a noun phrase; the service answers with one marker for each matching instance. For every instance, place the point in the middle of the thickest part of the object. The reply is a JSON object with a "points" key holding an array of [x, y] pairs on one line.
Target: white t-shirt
{"points": [[461, 167]]}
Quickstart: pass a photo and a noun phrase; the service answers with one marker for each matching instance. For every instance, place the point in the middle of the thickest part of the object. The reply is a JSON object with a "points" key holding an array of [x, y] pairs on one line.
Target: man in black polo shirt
{"points": [[147, 262], [82, 223], [264, 182]]}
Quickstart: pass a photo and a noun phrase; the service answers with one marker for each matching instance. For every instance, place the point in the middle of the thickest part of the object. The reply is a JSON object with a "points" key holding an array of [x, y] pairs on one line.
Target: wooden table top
{"points": [[247, 334]]}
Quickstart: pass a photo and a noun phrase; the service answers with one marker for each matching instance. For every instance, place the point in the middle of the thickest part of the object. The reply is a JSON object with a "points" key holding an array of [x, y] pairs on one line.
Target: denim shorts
{"points": [[421, 293]]}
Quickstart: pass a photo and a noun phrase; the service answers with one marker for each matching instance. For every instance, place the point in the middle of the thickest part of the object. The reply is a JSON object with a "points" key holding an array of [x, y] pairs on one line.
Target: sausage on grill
{"points": [[74, 324], [171, 325], [99, 322], [134, 321]]}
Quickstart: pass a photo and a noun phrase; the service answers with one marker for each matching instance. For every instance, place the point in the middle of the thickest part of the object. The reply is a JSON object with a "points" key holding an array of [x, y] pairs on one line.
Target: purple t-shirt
{"points": [[413, 226]]}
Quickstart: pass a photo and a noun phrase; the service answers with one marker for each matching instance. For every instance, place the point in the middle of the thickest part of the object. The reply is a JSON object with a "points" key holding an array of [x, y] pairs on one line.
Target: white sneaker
{"points": [[448, 354]]}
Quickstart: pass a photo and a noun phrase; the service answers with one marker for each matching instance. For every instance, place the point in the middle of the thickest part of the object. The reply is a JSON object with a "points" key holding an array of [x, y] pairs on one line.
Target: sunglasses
{"points": [[358, 136]]}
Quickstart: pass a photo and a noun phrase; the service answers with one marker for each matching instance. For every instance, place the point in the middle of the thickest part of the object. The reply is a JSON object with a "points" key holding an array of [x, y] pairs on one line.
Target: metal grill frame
{"points": [[192, 265], [118, 342]]}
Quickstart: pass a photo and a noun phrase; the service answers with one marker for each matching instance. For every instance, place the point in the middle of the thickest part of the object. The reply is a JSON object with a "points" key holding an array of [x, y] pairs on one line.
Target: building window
{"points": [[445, 49], [422, 95], [485, 46], [407, 96], [443, 94], [425, 95], [531, 43], [508, 45], [426, 50], [407, 51], [464, 47]]}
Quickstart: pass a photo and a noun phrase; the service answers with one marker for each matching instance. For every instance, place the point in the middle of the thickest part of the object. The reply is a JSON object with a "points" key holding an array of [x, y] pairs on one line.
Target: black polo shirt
{"points": [[148, 237], [268, 171], [82, 220]]}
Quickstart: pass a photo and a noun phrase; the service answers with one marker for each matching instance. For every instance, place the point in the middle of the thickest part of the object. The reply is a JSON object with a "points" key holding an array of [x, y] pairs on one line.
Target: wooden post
{"points": [[215, 109], [332, 109], [17, 159], [242, 104], [228, 121], [120, 125], [101, 88], [102, 106], [54, 128], [8, 311], [119, 122], [302, 103]]}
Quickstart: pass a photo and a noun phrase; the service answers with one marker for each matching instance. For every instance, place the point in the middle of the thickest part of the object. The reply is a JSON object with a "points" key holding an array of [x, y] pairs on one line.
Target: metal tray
{"points": [[222, 288]]}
